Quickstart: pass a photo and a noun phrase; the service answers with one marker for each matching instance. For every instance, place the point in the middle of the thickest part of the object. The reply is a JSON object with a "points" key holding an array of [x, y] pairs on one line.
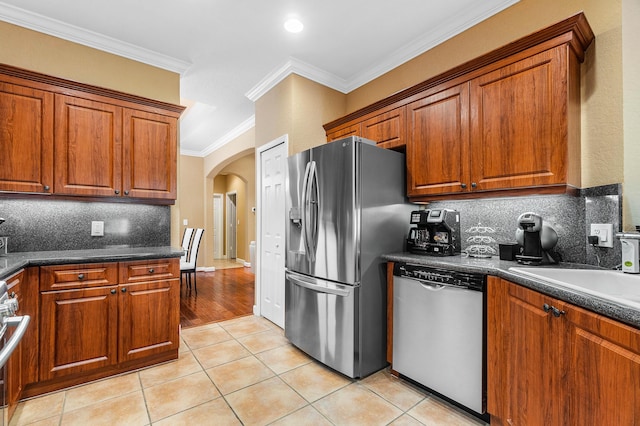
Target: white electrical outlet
{"points": [[185, 222], [97, 228], [604, 232]]}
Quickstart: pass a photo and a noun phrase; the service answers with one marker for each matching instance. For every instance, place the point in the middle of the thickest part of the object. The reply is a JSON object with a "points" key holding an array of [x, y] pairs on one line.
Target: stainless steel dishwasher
{"points": [[439, 331]]}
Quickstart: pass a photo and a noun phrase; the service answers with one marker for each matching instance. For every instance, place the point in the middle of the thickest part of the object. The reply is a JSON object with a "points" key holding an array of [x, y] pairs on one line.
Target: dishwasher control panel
{"points": [[431, 275]]}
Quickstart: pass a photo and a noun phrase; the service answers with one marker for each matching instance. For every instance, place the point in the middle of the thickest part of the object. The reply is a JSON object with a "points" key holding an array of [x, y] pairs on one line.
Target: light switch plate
{"points": [[97, 228], [604, 232]]}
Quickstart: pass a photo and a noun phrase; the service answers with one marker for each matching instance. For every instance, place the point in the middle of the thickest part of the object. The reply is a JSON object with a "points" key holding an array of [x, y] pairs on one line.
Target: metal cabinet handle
{"points": [[151, 270], [126, 192], [113, 291], [463, 186], [555, 311], [124, 289], [473, 184], [81, 276], [46, 187], [117, 191]]}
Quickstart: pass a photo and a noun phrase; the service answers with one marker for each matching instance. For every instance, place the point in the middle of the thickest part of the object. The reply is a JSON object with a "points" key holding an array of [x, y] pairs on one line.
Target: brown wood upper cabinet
{"points": [[524, 125], [387, 128], [88, 147], [26, 138], [105, 143], [438, 148], [505, 123], [149, 155]]}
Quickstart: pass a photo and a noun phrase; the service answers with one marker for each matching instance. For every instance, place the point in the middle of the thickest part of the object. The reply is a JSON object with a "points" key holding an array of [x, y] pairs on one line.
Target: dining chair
{"points": [[188, 266], [186, 242]]}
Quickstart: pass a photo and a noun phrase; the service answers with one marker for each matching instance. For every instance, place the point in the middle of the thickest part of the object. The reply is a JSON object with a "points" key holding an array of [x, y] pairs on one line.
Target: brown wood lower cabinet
{"points": [[79, 331], [105, 318], [549, 362], [148, 321]]}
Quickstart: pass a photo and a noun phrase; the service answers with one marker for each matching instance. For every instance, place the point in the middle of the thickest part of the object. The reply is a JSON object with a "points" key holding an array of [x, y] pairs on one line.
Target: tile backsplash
{"points": [[43, 225], [570, 216]]}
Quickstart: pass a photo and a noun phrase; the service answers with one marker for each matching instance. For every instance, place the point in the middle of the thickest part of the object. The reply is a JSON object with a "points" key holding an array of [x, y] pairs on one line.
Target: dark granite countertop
{"points": [[500, 268], [13, 262]]}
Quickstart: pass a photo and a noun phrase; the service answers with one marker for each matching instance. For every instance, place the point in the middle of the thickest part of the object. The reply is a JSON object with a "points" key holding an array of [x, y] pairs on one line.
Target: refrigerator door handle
{"points": [[315, 208], [305, 208], [309, 202], [311, 284]]}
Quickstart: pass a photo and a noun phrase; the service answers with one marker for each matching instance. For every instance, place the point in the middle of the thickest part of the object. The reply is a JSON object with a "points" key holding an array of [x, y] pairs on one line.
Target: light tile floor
{"points": [[241, 372]]}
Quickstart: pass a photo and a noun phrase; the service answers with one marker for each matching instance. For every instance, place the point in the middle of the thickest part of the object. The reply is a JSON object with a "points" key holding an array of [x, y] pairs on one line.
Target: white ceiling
{"points": [[231, 52]]}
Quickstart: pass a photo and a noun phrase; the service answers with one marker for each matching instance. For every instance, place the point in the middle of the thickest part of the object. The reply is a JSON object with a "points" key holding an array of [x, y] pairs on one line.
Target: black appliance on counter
{"points": [[537, 238], [437, 232]]}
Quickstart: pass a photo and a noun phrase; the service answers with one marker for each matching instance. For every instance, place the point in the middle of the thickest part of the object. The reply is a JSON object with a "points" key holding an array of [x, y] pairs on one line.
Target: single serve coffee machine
{"points": [[436, 232], [536, 239]]}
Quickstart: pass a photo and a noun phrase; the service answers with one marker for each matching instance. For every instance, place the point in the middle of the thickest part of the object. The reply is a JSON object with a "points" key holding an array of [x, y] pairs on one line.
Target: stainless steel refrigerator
{"points": [[346, 206]]}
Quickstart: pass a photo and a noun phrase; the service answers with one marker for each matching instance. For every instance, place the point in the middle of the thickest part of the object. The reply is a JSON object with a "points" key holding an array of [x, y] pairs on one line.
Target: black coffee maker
{"points": [[437, 232], [536, 239]]}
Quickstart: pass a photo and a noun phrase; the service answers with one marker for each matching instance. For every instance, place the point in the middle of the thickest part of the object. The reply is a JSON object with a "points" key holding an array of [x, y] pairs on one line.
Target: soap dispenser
{"points": [[630, 252]]}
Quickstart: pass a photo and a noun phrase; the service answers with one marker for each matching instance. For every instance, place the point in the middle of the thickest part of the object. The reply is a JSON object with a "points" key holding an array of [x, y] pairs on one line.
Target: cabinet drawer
{"points": [[149, 270], [61, 277]]}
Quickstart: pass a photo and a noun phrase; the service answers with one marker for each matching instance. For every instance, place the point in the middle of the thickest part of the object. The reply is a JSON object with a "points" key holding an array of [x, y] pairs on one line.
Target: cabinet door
{"points": [[26, 139], [150, 155], [149, 318], [351, 130], [88, 147], [604, 370], [387, 129], [438, 143], [78, 331], [525, 361], [519, 124]]}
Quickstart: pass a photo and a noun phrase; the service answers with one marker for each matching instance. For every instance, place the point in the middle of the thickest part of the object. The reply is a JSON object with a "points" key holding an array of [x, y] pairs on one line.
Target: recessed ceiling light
{"points": [[293, 25]]}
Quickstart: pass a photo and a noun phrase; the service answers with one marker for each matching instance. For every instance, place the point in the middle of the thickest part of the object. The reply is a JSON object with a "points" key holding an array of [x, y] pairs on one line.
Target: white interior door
{"points": [[273, 167], [231, 225], [218, 226]]}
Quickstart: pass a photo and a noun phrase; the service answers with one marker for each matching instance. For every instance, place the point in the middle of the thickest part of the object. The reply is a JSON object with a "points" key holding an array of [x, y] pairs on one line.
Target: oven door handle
{"points": [[22, 322]]}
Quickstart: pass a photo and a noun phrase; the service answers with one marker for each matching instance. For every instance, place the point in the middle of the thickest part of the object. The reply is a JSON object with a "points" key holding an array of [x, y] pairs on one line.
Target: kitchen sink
{"points": [[607, 284]]}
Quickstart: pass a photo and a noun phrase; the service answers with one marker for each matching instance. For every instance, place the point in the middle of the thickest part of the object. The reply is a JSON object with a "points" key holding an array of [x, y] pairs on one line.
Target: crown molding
{"points": [[246, 125], [440, 34], [447, 29], [43, 24], [296, 66]]}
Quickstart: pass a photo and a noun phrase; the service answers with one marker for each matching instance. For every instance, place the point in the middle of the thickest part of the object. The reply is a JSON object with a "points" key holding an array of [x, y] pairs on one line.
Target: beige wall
{"points": [[631, 104], [35, 51], [214, 164], [191, 199], [297, 107], [24, 48], [239, 177]]}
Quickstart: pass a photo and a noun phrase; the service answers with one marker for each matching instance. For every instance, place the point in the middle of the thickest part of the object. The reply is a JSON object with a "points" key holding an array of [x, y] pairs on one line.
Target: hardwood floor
{"points": [[222, 295]]}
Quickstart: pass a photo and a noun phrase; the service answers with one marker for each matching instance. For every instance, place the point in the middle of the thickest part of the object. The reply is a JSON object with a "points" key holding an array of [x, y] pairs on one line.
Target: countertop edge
{"points": [[500, 268], [14, 262]]}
